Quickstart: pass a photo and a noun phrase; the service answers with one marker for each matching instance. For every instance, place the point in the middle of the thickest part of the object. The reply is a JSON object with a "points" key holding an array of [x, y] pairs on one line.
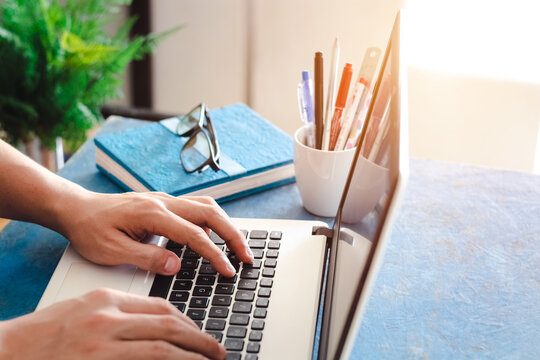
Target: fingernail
{"points": [[171, 264], [230, 267], [249, 253]]}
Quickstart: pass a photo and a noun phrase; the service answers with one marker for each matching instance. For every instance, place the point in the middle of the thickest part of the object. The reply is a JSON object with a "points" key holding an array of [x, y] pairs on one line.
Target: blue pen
{"points": [[308, 99]]}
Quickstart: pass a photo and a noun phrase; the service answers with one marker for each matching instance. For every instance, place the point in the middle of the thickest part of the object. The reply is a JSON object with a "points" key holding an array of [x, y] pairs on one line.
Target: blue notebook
{"points": [[255, 155]]}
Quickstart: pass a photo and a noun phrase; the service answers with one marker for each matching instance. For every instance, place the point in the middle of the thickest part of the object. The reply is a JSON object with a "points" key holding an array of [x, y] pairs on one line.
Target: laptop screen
{"points": [[367, 203]]}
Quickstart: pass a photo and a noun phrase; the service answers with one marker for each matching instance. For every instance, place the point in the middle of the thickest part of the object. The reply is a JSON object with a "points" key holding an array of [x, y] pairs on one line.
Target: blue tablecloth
{"points": [[460, 278]]}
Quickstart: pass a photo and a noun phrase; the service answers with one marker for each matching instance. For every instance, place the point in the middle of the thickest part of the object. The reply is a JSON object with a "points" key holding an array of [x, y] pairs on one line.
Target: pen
{"points": [[331, 99], [318, 99], [308, 100], [340, 103], [305, 104], [360, 88]]}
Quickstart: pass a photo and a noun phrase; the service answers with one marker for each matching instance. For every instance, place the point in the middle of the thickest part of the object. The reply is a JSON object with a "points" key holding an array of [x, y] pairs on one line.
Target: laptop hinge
{"points": [[329, 233], [322, 230]]}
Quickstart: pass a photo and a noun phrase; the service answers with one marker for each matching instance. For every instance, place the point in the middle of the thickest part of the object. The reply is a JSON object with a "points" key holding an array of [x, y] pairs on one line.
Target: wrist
{"points": [[68, 205]]}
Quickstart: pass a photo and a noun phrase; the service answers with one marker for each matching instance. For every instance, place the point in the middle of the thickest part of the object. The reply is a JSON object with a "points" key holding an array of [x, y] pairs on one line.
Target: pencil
{"points": [[319, 104]]}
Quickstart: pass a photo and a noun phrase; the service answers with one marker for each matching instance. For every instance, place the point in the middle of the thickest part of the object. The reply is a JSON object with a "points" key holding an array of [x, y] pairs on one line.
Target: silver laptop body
{"points": [[304, 279]]}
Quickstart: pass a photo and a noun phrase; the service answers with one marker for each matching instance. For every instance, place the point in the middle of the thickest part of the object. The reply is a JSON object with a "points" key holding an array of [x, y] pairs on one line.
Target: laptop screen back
{"points": [[369, 199]]}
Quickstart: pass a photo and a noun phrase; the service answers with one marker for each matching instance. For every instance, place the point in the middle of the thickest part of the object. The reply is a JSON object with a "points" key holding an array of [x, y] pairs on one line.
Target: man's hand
{"points": [[107, 228], [107, 324]]}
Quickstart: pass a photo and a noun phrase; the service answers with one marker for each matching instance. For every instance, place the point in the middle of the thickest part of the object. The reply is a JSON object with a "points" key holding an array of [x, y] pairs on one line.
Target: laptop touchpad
{"points": [[83, 277]]}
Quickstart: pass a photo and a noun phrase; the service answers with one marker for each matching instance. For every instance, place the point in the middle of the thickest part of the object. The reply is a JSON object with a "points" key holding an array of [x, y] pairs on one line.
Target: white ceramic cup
{"points": [[320, 175]]}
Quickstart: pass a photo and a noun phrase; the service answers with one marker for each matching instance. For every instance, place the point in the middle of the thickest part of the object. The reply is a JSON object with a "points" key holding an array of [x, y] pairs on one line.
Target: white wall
{"points": [[474, 79], [206, 60]]}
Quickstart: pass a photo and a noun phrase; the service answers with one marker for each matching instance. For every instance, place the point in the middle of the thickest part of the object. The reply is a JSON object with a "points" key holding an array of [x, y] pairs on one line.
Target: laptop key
{"points": [[258, 234], [216, 334], [161, 286], [197, 302], [182, 285], [186, 274], [253, 347], [255, 336], [179, 296], [221, 300], [218, 312], [196, 314], [257, 244], [173, 245], [206, 280], [275, 235], [216, 239], [242, 307], [255, 265], [215, 324], [190, 254], [268, 272], [262, 302], [246, 284], [244, 295], [207, 269], [226, 289], [202, 291], [199, 323], [249, 274], [272, 254], [257, 253], [180, 306], [264, 292], [233, 356], [257, 325], [259, 313], [274, 244], [234, 344], [251, 357], [270, 263], [266, 282], [236, 332], [227, 280], [189, 264], [239, 319]]}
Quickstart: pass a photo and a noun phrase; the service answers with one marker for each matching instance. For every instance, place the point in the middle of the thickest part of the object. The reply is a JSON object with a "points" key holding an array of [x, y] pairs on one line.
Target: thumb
{"points": [[153, 258]]}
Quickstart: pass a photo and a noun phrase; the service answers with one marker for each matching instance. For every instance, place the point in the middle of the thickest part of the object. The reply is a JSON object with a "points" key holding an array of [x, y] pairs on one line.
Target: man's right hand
{"points": [[107, 324]]}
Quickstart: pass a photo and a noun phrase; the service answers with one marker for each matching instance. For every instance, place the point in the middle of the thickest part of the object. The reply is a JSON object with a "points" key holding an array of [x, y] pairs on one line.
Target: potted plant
{"points": [[59, 64]]}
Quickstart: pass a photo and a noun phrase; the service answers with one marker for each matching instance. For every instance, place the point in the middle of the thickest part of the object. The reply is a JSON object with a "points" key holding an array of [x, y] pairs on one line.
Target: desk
{"points": [[460, 278]]}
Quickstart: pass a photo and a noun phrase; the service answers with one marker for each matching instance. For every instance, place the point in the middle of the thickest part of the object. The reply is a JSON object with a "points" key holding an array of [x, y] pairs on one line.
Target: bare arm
{"points": [[106, 228]]}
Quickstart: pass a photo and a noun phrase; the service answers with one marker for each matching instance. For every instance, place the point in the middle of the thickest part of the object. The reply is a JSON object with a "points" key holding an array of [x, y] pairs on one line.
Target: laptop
{"points": [[302, 269]]}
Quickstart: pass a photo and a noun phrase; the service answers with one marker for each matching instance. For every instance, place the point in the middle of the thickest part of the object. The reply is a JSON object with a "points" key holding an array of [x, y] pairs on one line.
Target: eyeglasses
{"points": [[201, 150]]}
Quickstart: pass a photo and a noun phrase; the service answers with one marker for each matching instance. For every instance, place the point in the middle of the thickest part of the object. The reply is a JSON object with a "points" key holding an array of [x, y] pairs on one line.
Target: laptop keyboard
{"points": [[233, 310]]}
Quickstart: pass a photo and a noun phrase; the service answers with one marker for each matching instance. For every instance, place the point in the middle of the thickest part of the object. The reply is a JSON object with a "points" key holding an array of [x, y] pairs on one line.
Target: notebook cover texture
{"points": [[151, 153]]}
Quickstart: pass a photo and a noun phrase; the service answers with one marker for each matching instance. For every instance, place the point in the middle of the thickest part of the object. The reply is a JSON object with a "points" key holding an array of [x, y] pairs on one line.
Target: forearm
{"points": [[29, 192]]}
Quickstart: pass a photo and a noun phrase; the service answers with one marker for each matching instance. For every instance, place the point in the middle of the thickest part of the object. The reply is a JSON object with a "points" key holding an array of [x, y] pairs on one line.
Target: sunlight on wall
{"points": [[475, 81], [489, 38]]}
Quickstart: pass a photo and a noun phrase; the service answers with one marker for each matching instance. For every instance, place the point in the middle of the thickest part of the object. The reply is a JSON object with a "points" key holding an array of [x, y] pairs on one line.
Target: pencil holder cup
{"points": [[369, 184], [320, 175]]}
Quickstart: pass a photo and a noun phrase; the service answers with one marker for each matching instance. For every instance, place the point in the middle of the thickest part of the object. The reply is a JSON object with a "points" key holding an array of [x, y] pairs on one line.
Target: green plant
{"points": [[58, 65]]}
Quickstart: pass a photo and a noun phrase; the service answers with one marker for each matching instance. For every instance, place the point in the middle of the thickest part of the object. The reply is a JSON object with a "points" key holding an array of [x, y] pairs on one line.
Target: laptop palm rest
{"points": [[83, 277]]}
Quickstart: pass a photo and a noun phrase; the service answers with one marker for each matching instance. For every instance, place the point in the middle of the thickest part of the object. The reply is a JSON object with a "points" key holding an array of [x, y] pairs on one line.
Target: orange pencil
{"points": [[341, 100]]}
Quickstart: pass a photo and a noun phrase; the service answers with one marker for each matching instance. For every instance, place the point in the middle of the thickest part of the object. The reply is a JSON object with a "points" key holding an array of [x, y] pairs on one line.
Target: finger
{"points": [[137, 304], [145, 256], [205, 212], [171, 330], [153, 349], [181, 231]]}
